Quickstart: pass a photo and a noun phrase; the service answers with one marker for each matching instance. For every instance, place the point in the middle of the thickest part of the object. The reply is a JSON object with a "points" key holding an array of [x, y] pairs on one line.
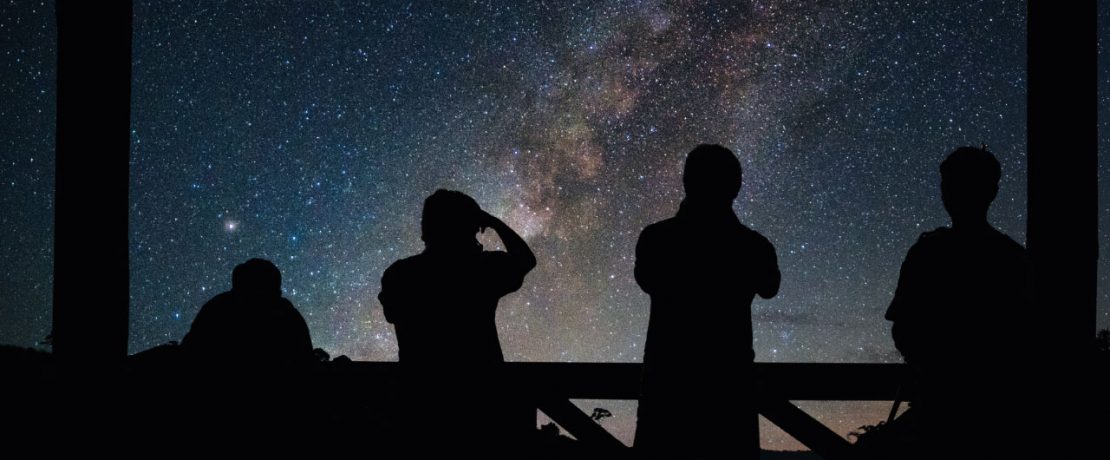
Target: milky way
{"points": [[309, 133]]}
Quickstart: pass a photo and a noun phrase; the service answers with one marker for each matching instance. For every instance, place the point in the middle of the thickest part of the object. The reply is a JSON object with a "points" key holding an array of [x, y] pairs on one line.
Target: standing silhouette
{"points": [[961, 317], [250, 325], [442, 303], [702, 269]]}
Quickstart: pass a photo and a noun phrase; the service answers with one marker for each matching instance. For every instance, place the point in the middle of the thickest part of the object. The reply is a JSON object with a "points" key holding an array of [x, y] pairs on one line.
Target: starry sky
{"points": [[309, 133]]}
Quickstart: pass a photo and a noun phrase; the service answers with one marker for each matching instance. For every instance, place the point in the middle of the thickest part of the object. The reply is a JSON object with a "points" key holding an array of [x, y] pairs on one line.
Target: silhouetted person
{"points": [[961, 316], [252, 324], [249, 356], [442, 303], [702, 269]]}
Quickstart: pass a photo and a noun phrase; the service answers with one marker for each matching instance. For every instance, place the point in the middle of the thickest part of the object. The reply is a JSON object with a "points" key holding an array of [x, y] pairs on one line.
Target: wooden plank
{"points": [[579, 425], [795, 381], [805, 429]]}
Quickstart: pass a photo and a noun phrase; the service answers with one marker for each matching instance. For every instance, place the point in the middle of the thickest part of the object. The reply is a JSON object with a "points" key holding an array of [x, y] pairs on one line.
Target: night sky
{"points": [[309, 133]]}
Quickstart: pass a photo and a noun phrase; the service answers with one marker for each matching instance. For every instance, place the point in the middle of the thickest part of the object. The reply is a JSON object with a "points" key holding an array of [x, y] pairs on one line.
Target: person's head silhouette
{"points": [[968, 184], [450, 220], [256, 277], [712, 175]]}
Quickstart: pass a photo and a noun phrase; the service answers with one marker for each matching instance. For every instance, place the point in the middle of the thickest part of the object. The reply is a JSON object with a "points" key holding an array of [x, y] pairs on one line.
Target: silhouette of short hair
{"points": [[449, 215], [258, 276], [712, 172], [969, 180]]}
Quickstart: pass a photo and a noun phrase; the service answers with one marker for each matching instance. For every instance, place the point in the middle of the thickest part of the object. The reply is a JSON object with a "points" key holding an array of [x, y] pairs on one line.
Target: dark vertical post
{"points": [[1063, 202], [90, 215]]}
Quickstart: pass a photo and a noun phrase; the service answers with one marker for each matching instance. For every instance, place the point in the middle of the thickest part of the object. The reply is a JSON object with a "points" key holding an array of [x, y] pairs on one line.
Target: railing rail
{"points": [[555, 384]]}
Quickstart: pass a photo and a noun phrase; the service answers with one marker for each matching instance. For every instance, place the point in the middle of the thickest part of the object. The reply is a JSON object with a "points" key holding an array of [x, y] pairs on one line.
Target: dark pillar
{"points": [[1063, 207], [93, 136]]}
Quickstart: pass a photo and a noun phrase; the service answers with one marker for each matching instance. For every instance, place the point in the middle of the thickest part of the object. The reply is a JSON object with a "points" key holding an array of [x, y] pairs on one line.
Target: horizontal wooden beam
{"points": [[793, 381]]}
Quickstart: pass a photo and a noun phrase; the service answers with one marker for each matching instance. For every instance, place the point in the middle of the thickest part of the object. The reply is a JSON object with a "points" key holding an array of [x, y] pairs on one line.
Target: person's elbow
{"points": [[644, 279], [528, 262], [387, 311], [770, 286]]}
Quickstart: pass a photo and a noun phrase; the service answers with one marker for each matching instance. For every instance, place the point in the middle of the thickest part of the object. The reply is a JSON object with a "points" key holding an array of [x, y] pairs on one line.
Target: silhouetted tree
{"points": [[600, 413], [884, 439], [550, 430], [865, 432], [552, 444]]}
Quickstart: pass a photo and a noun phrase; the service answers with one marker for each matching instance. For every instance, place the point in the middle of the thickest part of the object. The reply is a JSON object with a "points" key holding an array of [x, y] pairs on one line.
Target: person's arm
{"points": [[200, 331], [646, 268], [388, 293], [770, 276], [519, 253], [904, 306], [300, 336]]}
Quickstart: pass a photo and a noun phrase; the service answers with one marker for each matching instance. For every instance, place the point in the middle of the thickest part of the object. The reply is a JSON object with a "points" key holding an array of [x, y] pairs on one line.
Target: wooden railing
{"points": [[777, 385]]}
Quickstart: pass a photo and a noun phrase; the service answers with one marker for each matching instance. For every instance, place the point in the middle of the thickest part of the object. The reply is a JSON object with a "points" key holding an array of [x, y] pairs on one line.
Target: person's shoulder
{"points": [[217, 310], [223, 296], [404, 265], [929, 244], [658, 235], [218, 300], [284, 303], [668, 223], [755, 237], [1006, 242], [286, 307], [663, 227], [937, 236], [1009, 253]]}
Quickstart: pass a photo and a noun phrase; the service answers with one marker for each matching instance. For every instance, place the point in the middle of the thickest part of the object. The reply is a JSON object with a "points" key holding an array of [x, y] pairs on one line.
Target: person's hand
{"points": [[485, 220]]}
